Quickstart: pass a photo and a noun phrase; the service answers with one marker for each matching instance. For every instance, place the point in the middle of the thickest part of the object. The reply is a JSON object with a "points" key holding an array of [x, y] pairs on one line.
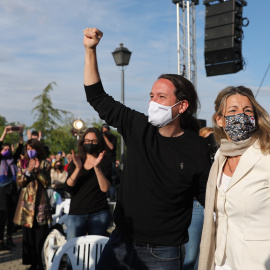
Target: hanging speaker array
{"points": [[223, 36]]}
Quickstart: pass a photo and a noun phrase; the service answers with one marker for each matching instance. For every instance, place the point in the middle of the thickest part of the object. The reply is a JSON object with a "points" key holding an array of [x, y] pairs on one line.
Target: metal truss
{"points": [[186, 39]]}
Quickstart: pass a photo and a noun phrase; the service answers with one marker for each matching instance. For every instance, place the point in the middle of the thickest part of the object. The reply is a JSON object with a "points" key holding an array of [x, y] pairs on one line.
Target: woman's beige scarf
{"points": [[233, 149]]}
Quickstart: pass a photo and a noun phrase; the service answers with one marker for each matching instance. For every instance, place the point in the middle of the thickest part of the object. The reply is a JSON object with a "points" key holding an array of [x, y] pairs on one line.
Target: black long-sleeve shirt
{"points": [[160, 177]]}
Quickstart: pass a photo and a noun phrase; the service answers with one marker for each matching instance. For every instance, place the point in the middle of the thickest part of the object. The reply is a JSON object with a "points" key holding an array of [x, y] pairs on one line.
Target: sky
{"points": [[42, 41]]}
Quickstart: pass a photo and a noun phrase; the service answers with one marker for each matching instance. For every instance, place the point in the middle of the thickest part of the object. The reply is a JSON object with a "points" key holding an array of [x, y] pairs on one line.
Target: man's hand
{"points": [[92, 37]]}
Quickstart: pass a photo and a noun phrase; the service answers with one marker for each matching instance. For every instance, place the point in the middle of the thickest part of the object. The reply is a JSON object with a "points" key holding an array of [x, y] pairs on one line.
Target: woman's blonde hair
{"points": [[205, 130], [262, 118]]}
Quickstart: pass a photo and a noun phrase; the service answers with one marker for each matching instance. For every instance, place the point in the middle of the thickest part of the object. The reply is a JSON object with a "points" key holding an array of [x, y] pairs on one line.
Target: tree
{"points": [[46, 115], [3, 121], [61, 138]]}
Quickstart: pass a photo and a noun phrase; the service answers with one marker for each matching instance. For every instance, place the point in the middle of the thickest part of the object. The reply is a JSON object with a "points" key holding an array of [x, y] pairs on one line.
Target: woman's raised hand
{"points": [[8, 129], [36, 163], [76, 160], [99, 158], [31, 165], [92, 37]]}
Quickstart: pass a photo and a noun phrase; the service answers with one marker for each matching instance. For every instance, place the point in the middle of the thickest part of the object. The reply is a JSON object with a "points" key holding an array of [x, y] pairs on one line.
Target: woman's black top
{"points": [[86, 196]]}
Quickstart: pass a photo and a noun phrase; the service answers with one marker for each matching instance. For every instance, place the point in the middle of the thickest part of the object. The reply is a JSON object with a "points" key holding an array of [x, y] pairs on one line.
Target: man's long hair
{"points": [[184, 90]]}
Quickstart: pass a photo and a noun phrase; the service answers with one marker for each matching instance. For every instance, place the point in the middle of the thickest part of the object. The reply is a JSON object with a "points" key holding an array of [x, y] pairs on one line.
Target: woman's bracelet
{"points": [[73, 180]]}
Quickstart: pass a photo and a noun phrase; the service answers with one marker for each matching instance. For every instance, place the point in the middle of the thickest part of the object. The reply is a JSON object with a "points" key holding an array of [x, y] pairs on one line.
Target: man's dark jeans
{"points": [[118, 254]]}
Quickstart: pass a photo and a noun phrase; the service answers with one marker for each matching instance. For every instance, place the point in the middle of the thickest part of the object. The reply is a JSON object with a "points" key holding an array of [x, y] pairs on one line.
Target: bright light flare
{"points": [[78, 124]]}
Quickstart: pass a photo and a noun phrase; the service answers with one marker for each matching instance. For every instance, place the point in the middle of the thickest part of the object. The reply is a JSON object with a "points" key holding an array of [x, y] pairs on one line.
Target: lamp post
{"points": [[121, 56], [78, 128]]}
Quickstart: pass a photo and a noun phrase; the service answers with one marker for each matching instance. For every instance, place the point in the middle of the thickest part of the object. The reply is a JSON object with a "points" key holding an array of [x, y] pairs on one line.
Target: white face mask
{"points": [[160, 115]]}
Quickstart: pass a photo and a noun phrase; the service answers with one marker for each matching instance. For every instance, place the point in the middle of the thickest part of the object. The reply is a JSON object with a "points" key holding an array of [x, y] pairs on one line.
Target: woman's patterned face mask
{"points": [[240, 126]]}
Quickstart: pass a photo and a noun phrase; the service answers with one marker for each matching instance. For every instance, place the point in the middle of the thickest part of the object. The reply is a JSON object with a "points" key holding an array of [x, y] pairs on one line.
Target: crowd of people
{"points": [[33, 182], [189, 197]]}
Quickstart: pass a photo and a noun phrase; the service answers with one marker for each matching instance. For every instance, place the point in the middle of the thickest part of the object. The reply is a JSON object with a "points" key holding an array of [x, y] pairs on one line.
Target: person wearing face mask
{"points": [[110, 140], [87, 182], [8, 188], [238, 186], [58, 177], [33, 208], [166, 166]]}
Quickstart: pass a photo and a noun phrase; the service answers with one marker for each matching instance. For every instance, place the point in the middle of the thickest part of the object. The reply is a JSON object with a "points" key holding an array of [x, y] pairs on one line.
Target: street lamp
{"points": [[78, 128], [121, 56], [78, 124]]}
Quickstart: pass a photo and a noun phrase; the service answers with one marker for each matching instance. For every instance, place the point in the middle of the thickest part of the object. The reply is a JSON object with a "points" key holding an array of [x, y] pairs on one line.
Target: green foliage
{"points": [[97, 123], [45, 114], [61, 139], [3, 122], [55, 125]]}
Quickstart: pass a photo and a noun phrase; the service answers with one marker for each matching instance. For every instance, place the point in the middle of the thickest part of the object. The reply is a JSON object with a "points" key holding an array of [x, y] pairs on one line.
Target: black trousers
{"points": [[33, 240], [8, 203]]}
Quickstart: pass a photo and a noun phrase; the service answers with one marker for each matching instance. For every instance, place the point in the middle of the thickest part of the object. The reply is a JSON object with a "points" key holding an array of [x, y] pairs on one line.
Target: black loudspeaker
{"points": [[223, 31], [224, 68], [220, 56], [223, 19], [224, 7], [222, 43], [223, 37]]}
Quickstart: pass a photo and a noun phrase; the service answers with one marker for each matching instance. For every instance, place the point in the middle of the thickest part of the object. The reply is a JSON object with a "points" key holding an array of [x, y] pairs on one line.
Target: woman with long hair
{"points": [[88, 183], [237, 236], [58, 177], [33, 209]]}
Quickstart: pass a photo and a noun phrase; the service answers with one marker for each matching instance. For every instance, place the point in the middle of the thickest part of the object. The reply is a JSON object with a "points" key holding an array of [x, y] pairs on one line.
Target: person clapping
{"points": [[33, 209]]}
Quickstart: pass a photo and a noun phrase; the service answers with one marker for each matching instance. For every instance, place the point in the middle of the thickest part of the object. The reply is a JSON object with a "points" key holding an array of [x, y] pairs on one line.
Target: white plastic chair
{"points": [[60, 209], [84, 252], [66, 205], [62, 220], [52, 248], [111, 208], [52, 243]]}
